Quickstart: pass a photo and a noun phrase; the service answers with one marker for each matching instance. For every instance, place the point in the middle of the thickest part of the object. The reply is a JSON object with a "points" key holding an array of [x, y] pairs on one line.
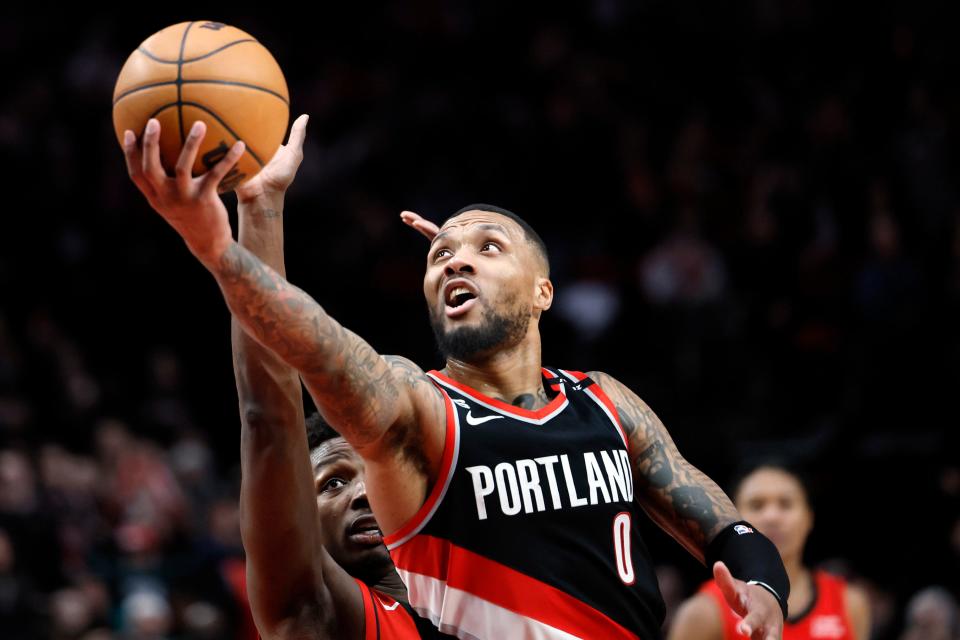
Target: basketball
{"points": [[205, 71]]}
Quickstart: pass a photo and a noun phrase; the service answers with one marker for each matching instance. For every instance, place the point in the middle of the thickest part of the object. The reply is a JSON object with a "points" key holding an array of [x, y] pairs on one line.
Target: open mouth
{"points": [[458, 298]]}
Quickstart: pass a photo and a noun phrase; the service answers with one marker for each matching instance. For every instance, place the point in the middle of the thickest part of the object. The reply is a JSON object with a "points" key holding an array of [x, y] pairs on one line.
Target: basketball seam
{"points": [[183, 45], [166, 106], [231, 83], [225, 126], [189, 60], [218, 118]]}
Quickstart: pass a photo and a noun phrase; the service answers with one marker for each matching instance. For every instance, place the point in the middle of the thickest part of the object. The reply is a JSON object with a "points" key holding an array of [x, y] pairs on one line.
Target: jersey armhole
{"points": [[371, 620], [596, 392]]}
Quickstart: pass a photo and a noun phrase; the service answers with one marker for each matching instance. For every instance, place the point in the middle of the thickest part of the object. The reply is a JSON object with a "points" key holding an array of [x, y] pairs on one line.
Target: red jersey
{"points": [[387, 619], [825, 619]]}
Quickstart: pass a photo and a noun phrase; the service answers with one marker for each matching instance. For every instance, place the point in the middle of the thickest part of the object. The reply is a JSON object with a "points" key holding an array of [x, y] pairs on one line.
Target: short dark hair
{"points": [[318, 431], [532, 236]]}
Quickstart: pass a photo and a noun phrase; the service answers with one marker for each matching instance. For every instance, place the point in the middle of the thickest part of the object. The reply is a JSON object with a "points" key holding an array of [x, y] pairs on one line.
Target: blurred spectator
{"points": [[146, 616], [932, 614]]}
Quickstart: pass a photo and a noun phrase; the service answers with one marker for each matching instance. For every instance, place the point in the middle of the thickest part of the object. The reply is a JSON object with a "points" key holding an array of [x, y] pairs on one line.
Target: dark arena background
{"points": [[753, 214]]}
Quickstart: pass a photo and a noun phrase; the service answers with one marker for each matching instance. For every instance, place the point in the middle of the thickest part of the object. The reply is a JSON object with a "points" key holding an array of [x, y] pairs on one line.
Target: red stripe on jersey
{"points": [[539, 414], [505, 587], [384, 618], [601, 395], [450, 447]]}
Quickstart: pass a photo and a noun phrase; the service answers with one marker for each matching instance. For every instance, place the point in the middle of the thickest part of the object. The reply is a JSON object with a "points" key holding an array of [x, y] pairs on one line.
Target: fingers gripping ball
{"points": [[205, 71]]}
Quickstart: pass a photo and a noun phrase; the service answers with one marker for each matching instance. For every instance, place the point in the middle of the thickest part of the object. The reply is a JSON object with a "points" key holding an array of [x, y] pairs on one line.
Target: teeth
{"points": [[452, 296]]}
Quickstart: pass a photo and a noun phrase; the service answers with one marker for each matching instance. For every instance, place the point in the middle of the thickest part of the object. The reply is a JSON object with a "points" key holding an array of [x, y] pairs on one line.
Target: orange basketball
{"points": [[205, 71]]}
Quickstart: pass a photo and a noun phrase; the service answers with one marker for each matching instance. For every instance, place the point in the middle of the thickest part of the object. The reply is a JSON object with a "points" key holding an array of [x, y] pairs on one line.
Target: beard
{"points": [[471, 343]]}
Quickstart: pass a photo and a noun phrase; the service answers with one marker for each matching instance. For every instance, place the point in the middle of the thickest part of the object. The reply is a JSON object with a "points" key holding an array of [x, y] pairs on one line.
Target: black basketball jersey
{"points": [[531, 529]]}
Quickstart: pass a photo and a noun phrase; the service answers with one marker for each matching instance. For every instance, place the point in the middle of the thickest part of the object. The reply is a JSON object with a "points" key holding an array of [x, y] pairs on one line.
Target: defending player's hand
{"points": [[424, 226], [762, 618], [191, 205], [278, 174]]}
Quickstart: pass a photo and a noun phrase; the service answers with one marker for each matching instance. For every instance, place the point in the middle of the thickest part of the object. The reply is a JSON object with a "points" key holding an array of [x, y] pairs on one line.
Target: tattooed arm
{"points": [[368, 399], [689, 506], [677, 496]]}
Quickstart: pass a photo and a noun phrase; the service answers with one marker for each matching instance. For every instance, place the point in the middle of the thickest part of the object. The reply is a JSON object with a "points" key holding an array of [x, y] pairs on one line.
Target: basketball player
{"points": [[509, 490], [821, 605], [317, 566]]}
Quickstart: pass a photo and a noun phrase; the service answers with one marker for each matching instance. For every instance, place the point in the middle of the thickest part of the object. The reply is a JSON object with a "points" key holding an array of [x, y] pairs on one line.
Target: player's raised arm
{"points": [[292, 580], [698, 514], [356, 390]]}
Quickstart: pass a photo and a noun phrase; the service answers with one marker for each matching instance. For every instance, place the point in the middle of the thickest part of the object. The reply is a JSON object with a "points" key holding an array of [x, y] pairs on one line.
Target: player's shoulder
{"points": [[409, 373], [609, 384], [856, 597], [402, 363]]}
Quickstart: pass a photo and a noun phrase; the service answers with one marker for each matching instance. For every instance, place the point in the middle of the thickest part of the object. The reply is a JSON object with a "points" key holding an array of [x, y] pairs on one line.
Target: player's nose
{"points": [[459, 263], [359, 499]]}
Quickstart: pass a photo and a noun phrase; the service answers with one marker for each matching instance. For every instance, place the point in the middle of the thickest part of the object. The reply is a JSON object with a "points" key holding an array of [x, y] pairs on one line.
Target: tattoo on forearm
{"points": [[356, 384], [693, 503], [269, 213]]}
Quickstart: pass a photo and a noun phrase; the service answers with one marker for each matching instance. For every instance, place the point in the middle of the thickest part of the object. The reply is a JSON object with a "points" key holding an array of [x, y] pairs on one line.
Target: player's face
{"points": [[350, 532], [483, 284], [774, 501]]}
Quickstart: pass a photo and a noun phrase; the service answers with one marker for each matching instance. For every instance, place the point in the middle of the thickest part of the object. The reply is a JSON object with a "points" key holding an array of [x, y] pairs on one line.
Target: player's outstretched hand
{"points": [[762, 618], [421, 224], [278, 174], [191, 205]]}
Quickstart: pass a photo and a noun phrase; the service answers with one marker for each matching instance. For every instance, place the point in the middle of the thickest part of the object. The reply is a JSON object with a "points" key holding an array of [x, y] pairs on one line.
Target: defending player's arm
{"points": [[689, 506], [293, 583], [364, 396]]}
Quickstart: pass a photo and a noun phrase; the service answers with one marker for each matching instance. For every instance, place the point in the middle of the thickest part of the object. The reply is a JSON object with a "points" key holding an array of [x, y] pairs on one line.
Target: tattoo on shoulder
{"points": [[408, 373]]}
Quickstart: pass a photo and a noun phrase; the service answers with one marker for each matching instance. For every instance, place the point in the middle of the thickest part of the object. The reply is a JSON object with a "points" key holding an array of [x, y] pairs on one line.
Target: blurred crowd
{"points": [[753, 221]]}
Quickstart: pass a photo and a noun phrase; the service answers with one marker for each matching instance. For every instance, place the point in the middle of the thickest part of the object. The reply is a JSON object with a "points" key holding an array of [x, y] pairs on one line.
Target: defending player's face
{"points": [[775, 502], [483, 284], [351, 534]]}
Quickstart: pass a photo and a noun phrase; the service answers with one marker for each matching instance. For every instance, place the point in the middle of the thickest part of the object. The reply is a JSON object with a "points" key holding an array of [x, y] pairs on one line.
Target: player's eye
{"points": [[441, 253], [333, 484], [490, 246]]}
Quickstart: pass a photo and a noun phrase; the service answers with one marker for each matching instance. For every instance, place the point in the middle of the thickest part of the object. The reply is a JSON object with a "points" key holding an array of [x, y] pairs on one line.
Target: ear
{"points": [[543, 295]]}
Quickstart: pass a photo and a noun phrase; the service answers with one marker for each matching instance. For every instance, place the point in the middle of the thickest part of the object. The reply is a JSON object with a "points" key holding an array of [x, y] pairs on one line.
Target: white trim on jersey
{"points": [[602, 405], [446, 485], [509, 414], [469, 617]]}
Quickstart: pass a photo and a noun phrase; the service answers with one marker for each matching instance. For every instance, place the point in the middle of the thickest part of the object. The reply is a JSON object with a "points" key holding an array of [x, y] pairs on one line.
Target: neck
{"points": [[391, 585], [801, 586], [511, 374]]}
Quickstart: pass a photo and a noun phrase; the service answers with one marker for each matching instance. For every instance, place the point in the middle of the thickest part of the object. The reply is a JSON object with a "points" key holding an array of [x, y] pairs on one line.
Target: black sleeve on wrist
{"points": [[751, 557]]}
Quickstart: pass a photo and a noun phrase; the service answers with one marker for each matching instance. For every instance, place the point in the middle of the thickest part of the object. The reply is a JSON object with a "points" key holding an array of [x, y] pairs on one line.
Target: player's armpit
{"points": [[421, 439], [676, 495]]}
